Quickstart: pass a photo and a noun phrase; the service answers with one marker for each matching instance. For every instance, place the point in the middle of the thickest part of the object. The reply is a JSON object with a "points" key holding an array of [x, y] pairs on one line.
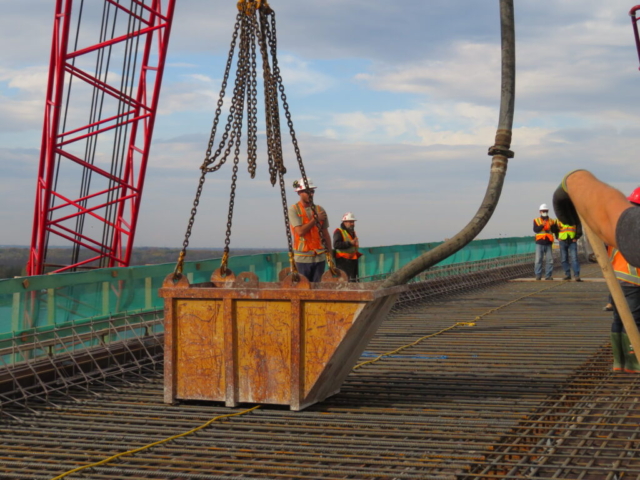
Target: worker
{"points": [[310, 254], [616, 221], [624, 358], [346, 244], [545, 228], [568, 236], [606, 210]]}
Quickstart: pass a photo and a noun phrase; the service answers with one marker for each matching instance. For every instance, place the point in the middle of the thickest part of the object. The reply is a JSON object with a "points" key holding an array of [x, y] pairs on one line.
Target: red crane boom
{"points": [[105, 154]]}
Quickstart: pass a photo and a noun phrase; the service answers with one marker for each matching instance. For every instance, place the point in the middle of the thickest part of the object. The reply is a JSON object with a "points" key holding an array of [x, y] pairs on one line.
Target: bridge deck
{"points": [[526, 392]]}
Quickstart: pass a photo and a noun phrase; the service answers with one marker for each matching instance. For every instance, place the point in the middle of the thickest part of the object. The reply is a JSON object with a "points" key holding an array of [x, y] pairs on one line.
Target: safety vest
{"points": [[350, 253], [566, 231], [309, 244], [621, 267], [545, 234]]}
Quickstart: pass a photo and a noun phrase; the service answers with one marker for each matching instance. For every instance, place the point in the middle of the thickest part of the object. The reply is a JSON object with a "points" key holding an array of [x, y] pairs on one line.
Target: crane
{"points": [[101, 103]]}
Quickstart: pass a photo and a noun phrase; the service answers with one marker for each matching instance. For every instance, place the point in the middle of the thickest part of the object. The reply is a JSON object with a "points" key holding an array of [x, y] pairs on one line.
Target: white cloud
{"points": [[298, 75], [417, 165]]}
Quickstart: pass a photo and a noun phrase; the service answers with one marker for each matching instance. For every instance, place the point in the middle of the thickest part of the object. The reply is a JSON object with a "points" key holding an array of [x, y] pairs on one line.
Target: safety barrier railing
{"points": [[53, 347], [39, 308], [52, 300]]}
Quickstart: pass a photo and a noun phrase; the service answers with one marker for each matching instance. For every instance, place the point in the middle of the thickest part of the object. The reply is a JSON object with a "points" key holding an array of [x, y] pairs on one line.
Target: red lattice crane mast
{"points": [[634, 23], [102, 96]]}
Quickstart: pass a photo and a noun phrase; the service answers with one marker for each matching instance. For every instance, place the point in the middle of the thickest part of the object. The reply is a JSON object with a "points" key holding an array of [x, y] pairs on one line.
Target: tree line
{"points": [[13, 260]]}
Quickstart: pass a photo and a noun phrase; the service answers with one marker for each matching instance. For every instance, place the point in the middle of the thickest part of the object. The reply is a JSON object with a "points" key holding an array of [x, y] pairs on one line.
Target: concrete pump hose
{"points": [[500, 152]]}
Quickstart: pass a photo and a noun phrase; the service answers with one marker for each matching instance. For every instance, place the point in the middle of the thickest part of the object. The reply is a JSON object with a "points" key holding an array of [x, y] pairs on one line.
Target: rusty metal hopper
{"points": [[238, 340]]}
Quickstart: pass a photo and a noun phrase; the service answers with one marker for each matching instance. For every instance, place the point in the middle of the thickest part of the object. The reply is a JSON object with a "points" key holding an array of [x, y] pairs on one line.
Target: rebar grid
{"points": [[37, 364], [525, 393]]}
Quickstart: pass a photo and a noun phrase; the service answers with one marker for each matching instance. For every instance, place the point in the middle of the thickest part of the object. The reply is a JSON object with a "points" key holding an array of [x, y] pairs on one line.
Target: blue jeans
{"points": [[569, 253], [313, 271], [541, 252]]}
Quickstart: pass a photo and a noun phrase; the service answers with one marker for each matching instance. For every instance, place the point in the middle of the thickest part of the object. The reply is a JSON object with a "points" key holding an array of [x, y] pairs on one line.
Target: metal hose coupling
{"points": [[502, 144]]}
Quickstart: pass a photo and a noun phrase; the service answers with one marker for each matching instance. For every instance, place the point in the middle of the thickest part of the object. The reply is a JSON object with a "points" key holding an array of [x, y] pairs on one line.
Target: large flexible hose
{"points": [[501, 155]]}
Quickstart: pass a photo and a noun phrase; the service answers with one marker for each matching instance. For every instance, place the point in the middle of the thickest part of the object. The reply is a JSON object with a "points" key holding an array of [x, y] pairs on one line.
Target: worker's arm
{"points": [[338, 242], [537, 228], [606, 210], [305, 227]]}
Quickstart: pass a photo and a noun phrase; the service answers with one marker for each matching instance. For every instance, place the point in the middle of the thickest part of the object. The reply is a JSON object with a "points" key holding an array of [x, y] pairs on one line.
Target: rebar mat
{"points": [[525, 393]]}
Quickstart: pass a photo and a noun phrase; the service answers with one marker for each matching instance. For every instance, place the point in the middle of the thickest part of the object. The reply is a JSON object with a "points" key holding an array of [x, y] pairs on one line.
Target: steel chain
{"points": [[272, 38], [277, 168], [255, 22], [194, 209], [241, 90]]}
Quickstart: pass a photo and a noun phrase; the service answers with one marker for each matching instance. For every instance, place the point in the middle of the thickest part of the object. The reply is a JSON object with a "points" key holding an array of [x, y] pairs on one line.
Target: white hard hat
{"points": [[544, 207], [348, 217], [298, 185]]}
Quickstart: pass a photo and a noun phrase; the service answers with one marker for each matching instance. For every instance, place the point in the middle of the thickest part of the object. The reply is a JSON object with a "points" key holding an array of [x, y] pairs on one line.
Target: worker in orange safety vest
{"points": [[309, 253], [545, 229], [624, 358], [346, 244]]}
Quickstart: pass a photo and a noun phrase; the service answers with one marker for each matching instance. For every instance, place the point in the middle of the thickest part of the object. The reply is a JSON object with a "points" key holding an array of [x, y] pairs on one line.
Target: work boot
{"points": [[549, 278], [538, 278], [567, 277], [618, 352], [578, 279], [631, 364]]}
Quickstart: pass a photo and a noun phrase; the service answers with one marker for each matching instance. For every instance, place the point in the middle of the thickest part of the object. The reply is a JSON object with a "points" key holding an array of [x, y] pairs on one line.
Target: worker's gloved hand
{"points": [[563, 206]]}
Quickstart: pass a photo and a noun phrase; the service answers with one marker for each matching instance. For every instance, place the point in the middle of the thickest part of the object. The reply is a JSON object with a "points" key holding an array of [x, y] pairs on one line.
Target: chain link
{"points": [[255, 22], [272, 39]]}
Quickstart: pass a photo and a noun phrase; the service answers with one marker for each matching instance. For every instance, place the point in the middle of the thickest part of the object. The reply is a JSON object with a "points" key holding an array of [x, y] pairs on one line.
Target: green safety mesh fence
{"points": [[35, 304]]}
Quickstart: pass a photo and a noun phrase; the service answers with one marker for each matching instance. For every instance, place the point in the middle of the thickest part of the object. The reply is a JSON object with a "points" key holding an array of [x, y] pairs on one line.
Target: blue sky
{"points": [[395, 105]]}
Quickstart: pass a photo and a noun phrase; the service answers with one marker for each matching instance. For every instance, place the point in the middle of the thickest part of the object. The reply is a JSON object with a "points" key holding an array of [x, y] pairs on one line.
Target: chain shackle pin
{"points": [[223, 263], [179, 265]]}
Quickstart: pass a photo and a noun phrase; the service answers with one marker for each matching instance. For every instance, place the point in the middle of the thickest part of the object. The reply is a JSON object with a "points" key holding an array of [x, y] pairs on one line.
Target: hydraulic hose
{"points": [[500, 153]]}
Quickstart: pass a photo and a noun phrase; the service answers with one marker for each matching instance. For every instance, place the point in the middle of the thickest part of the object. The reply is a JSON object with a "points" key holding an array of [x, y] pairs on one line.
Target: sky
{"points": [[394, 105]]}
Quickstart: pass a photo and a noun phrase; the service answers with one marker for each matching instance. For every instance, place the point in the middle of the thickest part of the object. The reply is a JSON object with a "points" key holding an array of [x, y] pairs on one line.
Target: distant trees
{"points": [[13, 260]]}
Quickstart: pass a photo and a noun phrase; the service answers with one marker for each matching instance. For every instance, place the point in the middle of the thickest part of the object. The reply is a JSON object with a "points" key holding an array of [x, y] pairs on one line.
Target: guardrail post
{"points": [[51, 306], [148, 282], [15, 313], [105, 298]]}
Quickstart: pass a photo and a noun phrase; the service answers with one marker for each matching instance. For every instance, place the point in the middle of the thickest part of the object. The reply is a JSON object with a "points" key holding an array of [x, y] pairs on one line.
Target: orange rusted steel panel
{"points": [[325, 325], [284, 343], [200, 349], [264, 350]]}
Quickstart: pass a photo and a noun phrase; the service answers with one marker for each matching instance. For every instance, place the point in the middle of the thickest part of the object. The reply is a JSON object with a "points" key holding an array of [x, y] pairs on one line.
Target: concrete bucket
{"points": [[238, 340]]}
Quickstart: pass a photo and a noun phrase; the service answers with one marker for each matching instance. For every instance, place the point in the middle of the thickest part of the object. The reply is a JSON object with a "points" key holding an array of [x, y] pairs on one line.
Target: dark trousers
{"points": [[632, 294], [569, 256], [350, 267], [313, 271]]}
